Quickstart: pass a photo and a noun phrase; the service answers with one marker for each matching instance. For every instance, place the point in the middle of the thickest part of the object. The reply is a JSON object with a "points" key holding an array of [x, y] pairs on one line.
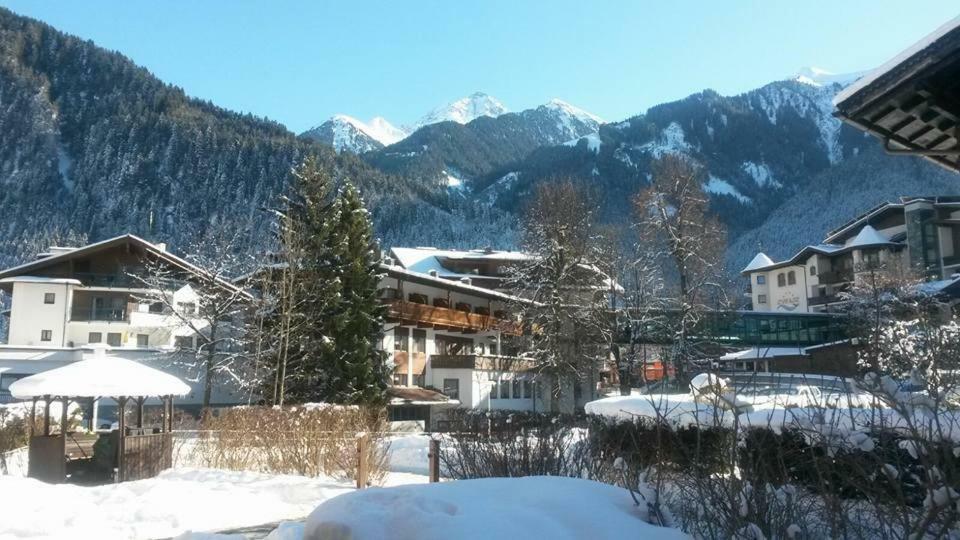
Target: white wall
{"points": [[29, 316]]}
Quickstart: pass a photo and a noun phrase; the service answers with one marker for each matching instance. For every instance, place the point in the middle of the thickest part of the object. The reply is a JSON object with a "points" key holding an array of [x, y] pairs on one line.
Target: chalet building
{"points": [[69, 302], [486, 268], [916, 237], [460, 341]]}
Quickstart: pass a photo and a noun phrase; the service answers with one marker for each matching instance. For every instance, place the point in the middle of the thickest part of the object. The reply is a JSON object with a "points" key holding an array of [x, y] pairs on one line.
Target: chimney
{"points": [[388, 261], [432, 272]]}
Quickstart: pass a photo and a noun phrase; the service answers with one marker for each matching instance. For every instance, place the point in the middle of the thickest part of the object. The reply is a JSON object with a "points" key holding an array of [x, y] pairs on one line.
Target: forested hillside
{"points": [[92, 145]]}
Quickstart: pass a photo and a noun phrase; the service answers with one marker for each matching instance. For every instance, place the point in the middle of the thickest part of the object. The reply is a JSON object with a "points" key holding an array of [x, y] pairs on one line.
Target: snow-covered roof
{"points": [[40, 279], [754, 353], [760, 260], [443, 283], [889, 65], [868, 236], [100, 376], [427, 259]]}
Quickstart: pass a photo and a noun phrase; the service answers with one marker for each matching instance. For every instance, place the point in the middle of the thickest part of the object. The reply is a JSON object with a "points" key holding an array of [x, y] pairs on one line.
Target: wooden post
{"points": [[140, 411], [434, 460], [363, 442], [46, 415], [33, 416], [163, 415], [121, 428], [63, 417]]}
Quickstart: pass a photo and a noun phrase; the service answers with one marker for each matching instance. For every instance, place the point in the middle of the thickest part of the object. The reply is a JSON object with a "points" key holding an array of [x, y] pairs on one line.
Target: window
{"points": [[517, 385], [46, 335], [761, 299], [451, 387], [761, 279], [419, 341], [186, 308], [813, 270], [94, 337], [156, 307], [183, 342], [791, 278], [493, 390], [143, 340], [504, 389], [113, 339], [527, 389], [49, 298], [450, 345], [400, 341], [781, 280]]}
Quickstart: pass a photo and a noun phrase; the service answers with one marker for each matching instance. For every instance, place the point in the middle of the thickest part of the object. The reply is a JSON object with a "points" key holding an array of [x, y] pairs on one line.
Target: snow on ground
{"points": [[529, 507], [679, 409], [175, 502], [408, 453], [593, 142], [722, 187]]}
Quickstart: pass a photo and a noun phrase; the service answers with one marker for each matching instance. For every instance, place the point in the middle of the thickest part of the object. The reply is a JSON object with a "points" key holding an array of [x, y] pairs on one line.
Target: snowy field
{"points": [[177, 501]]}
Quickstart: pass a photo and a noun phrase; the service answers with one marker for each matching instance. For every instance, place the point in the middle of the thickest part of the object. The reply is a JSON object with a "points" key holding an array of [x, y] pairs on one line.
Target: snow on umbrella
{"points": [[100, 376]]}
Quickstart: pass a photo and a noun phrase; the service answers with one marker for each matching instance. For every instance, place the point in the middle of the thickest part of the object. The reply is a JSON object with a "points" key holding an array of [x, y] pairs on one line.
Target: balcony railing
{"points": [[480, 361], [836, 276], [824, 299], [441, 317], [98, 314]]}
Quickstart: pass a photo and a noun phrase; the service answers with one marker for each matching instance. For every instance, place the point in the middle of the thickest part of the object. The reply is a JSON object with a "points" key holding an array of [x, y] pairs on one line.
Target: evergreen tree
{"points": [[361, 367]]}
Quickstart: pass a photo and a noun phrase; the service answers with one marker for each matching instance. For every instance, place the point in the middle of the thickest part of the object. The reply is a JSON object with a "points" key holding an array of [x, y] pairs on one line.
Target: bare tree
{"points": [[568, 315], [202, 302], [673, 220]]}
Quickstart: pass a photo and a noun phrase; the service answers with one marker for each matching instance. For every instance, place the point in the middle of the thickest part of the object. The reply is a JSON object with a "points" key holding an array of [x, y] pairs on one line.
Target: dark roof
{"points": [[912, 102], [150, 248]]}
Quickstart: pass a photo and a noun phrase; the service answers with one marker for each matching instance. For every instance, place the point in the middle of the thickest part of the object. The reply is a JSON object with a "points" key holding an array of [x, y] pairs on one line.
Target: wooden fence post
{"points": [[434, 460], [363, 443]]}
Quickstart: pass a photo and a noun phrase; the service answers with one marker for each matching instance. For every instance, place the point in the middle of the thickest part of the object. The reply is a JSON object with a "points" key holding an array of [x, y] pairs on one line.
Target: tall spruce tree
{"points": [[311, 366], [361, 366]]}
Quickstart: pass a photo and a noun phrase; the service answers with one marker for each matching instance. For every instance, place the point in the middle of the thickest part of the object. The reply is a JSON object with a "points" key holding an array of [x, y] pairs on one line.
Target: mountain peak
{"points": [[345, 132], [465, 109], [815, 76], [574, 111]]}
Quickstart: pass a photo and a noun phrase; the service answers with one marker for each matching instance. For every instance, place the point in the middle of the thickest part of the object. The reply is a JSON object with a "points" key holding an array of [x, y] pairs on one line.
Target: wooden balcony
{"points": [[448, 319], [478, 361]]}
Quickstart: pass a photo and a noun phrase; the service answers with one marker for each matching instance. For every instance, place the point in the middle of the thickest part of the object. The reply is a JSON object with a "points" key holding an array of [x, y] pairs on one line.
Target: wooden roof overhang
{"points": [[912, 103]]}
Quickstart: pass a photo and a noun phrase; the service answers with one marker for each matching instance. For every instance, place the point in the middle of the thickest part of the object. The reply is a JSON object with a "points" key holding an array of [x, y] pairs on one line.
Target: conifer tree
{"points": [[361, 367]]}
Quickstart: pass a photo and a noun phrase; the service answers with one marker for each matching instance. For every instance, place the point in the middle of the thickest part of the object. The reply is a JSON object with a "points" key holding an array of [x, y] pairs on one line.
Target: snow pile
{"points": [[529, 507], [677, 409], [408, 453]]}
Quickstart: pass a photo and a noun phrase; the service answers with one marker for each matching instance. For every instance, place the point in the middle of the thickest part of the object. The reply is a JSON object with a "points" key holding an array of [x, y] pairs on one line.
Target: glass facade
{"points": [[922, 240]]}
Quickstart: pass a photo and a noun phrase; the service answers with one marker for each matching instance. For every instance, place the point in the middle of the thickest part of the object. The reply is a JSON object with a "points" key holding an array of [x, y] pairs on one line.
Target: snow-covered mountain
{"points": [[815, 76], [465, 110], [347, 133]]}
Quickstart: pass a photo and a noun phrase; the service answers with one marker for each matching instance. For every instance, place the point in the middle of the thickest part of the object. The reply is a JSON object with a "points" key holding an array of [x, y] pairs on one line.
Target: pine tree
{"points": [[311, 367], [361, 366]]}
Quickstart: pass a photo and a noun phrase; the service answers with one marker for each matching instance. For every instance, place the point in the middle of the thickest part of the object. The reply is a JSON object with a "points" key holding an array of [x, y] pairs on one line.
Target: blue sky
{"points": [[300, 62]]}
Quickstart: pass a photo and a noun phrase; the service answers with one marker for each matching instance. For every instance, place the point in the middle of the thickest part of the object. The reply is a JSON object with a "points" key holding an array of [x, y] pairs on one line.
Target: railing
{"points": [[126, 281], [823, 299], [836, 276], [449, 318], [144, 456], [98, 314], [479, 361]]}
